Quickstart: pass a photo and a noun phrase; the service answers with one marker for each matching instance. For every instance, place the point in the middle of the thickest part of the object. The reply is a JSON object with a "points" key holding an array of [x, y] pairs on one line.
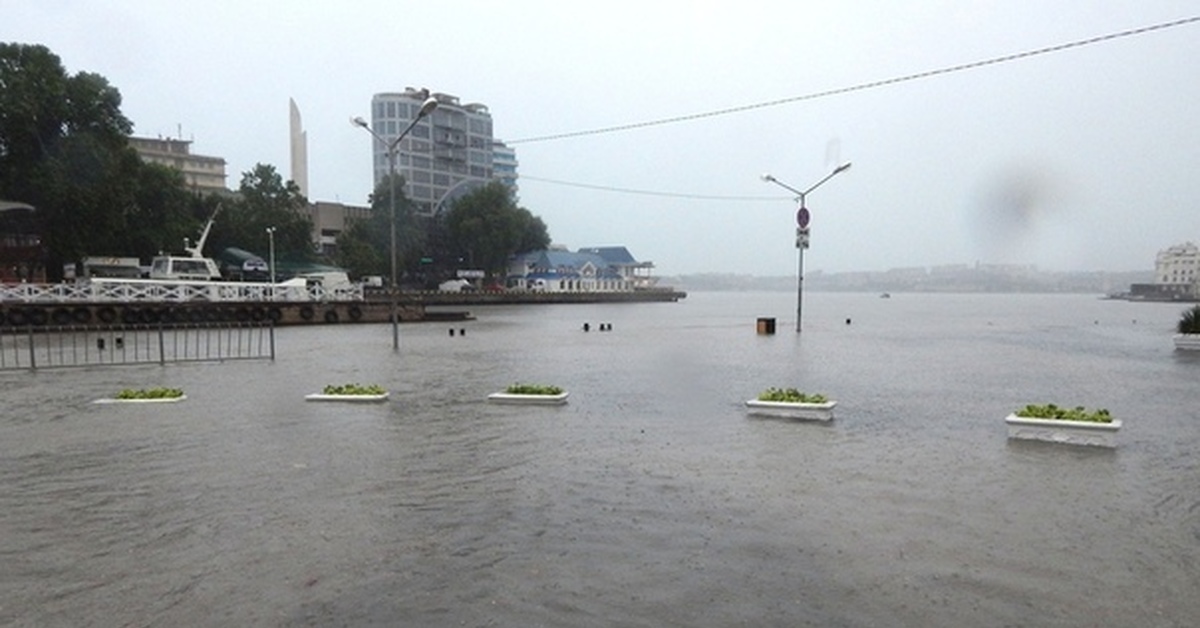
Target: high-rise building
{"points": [[504, 165], [445, 155]]}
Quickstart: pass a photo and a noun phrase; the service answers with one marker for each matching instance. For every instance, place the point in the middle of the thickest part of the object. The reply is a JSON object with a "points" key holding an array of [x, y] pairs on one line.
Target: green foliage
{"points": [[265, 200], [790, 395], [364, 247], [533, 389], [486, 227], [354, 389], [150, 393], [64, 150], [1078, 413], [1189, 321]]}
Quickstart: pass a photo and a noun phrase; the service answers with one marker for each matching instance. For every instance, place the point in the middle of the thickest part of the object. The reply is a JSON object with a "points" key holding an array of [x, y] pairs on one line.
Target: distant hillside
{"points": [[964, 278]]}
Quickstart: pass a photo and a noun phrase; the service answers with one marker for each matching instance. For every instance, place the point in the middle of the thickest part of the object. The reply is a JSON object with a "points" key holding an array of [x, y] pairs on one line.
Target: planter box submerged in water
{"points": [[1059, 425], [530, 394], [147, 395], [349, 392], [1187, 342], [791, 404], [1188, 327]]}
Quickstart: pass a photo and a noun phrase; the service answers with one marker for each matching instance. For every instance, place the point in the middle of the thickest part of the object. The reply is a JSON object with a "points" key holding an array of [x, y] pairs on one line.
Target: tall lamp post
{"points": [[802, 218], [429, 105], [271, 237]]}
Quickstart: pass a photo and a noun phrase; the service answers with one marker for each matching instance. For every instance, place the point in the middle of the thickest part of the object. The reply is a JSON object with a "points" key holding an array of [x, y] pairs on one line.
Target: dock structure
{"points": [[105, 302]]}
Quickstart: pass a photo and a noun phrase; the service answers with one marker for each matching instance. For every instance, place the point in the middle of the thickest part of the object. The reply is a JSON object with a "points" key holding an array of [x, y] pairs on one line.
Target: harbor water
{"points": [[650, 499]]}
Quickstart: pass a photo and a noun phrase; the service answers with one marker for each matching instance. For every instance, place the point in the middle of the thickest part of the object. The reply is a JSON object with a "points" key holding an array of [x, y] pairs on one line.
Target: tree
{"points": [[364, 248], [63, 149], [265, 200], [487, 227]]}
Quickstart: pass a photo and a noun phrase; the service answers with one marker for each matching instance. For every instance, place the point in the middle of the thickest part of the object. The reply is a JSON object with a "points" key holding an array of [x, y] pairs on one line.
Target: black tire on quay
{"points": [[307, 313], [355, 313], [81, 315], [331, 316], [107, 315], [38, 317], [60, 316]]}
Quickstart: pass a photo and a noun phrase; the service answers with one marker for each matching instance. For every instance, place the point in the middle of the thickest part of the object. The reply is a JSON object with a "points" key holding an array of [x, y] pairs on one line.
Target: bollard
{"points": [[587, 327], [451, 331], [766, 326], [462, 332]]}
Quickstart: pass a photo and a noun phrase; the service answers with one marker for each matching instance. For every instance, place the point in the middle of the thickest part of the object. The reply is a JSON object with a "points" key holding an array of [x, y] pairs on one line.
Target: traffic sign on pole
{"points": [[802, 217]]}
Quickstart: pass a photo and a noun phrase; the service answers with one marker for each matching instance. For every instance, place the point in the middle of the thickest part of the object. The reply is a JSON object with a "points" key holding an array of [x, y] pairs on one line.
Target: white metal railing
{"points": [[132, 290]]}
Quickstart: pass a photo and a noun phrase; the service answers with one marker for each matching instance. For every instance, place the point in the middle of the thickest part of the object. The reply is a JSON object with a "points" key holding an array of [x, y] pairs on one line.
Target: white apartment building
{"points": [[447, 154], [1177, 269]]}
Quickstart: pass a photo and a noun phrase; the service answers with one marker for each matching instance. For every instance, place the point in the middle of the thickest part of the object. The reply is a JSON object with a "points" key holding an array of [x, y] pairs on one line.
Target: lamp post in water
{"points": [[802, 218], [429, 105], [271, 237]]}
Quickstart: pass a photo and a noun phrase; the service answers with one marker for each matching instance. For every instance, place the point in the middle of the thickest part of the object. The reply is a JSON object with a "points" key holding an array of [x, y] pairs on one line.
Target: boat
{"points": [[192, 267], [886, 295]]}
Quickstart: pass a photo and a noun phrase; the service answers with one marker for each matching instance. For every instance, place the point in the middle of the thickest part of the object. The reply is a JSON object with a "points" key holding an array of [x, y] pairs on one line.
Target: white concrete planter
{"points": [[791, 410], [1067, 432], [156, 400], [536, 400], [1187, 342], [358, 398]]}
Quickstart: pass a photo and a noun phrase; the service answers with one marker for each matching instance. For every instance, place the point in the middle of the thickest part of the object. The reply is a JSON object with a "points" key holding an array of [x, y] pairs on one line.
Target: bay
{"points": [[650, 499]]}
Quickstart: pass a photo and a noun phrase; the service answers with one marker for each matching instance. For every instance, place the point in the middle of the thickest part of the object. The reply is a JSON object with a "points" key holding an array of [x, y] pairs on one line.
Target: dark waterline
{"points": [[651, 499]]}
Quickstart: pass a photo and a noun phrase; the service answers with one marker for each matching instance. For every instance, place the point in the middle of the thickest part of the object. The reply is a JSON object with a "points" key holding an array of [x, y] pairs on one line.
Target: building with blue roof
{"points": [[591, 269]]}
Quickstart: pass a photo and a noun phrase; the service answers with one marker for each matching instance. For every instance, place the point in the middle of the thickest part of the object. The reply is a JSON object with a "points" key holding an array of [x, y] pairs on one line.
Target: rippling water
{"points": [[651, 499]]}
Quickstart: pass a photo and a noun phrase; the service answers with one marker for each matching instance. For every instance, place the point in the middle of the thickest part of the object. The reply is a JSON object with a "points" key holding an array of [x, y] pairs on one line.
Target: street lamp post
{"points": [[802, 218], [429, 105], [271, 268]]}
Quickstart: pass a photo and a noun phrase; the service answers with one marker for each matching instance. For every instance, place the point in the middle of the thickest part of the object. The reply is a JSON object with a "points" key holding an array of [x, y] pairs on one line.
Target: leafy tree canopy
{"points": [[264, 201], [364, 248], [487, 228], [64, 150]]}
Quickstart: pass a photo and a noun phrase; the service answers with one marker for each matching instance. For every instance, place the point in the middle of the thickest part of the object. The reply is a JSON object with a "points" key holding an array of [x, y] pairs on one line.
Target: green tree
{"points": [[364, 248], [487, 227], [264, 200], [63, 149]]}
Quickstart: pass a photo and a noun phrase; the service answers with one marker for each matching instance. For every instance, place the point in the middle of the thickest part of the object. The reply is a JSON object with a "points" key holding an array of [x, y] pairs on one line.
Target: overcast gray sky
{"points": [[1084, 158]]}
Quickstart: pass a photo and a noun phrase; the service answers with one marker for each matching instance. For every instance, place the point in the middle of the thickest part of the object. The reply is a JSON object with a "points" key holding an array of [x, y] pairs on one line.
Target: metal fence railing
{"points": [[29, 348]]}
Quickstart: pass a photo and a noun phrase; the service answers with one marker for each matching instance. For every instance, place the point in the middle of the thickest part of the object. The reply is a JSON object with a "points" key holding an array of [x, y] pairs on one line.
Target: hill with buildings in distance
{"points": [[950, 278]]}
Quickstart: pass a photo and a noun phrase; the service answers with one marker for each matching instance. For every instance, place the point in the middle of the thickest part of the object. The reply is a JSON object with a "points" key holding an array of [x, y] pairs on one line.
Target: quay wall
{"points": [[374, 307]]}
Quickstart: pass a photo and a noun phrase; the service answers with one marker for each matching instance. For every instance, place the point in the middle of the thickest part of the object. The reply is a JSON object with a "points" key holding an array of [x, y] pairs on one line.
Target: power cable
{"points": [[702, 197], [865, 86]]}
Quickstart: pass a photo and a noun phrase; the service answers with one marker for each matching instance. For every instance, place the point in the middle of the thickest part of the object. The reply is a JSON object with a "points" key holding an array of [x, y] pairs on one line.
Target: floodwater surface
{"points": [[650, 499]]}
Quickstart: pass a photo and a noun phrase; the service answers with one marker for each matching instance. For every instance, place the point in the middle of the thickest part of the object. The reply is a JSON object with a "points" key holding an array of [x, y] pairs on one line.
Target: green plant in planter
{"points": [[354, 389], [150, 393], [790, 395], [533, 389], [1078, 413], [1189, 321]]}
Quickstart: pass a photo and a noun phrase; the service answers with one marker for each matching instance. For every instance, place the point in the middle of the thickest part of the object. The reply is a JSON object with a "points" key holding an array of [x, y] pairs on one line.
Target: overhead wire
{"points": [[700, 197], [865, 86]]}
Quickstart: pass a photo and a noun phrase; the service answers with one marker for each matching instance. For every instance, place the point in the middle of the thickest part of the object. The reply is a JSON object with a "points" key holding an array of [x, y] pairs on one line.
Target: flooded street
{"points": [[650, 499]]}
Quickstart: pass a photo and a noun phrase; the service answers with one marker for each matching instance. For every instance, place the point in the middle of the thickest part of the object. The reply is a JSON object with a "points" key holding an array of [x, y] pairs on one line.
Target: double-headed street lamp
{"points": [[429, 105], [802, 218]]}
